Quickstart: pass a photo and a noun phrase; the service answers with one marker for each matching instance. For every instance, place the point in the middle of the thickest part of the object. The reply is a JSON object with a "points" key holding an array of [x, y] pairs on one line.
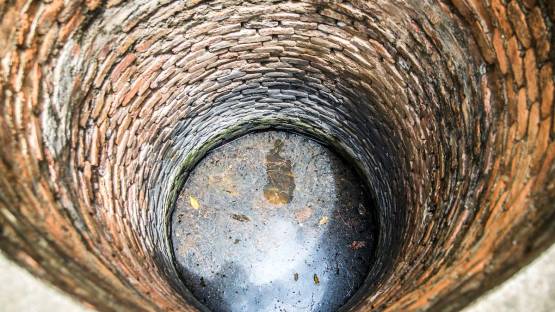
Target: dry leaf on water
{"points": [[194, 202]]}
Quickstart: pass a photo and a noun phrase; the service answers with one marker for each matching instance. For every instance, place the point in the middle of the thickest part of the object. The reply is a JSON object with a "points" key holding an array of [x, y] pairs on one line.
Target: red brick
{"points": [[547, 90], [500, 12], [518, 19], [531, 73], [498, 45], [539, 33], [516, 60], [522, 107]]}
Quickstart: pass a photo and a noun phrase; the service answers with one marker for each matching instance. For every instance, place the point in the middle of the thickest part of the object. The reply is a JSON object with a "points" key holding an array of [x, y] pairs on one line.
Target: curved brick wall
{"points": [[445, 106]]}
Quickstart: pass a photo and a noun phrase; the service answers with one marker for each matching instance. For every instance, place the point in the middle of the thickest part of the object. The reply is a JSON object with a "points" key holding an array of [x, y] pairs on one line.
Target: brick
{"points": [[254, 56], [221, 45], [284, 16], [276, 31], [269, 49], [242, 34], [512, 100], [225, 29], [522, 106], [335, 15], [539, 32], [122, 66], [344, 43], [547, 91], [541, 145], [500, 12], [245, 47], [299, 25], [533, 122], [233, 75], [255, 90], [252, 39], [261, 24], [325, 43], [531, 73], [205, 43], [498, 45], [295, 61], [516, 60], [191, 57], [518, 19]]}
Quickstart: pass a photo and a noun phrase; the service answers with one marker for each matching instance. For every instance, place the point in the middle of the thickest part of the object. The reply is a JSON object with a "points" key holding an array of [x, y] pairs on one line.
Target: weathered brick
{"points": [[500, 12], [122, 66], [299, 25], [498, 45], [522, 107], [533, 122], [233, 75], [539, 32], [335, 15], [295, 61], [245, 47], [261, 24], [547, 91], [251, 39], [531, 73], [518, 19], [515, 58], [269, 49], [205, 43], [276, 31], [325, 43], [221, 45], [225, 29], [255, 90]]}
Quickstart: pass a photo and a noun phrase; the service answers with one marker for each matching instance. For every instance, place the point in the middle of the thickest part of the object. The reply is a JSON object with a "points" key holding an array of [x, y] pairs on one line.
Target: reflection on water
{"points": [[281, 181], [279, 224]]}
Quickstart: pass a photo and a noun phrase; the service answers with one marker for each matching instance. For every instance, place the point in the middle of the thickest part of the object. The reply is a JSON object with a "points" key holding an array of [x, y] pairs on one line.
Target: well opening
{"points": [[274, 220]]}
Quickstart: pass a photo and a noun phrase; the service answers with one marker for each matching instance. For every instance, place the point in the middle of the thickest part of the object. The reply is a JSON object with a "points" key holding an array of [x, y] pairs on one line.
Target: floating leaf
{"points": [[240, 217], [194, 202], [356, 245], [324, 220], [316, 279]]}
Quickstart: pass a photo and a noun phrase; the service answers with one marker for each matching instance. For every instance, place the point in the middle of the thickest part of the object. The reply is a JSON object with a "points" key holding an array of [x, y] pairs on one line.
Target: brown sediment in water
{"points": [[281, 181]]}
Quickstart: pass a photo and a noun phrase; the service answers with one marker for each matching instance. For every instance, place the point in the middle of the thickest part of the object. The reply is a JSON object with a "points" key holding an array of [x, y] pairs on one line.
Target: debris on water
{"points": [[296, 276], [240, 217], [324, 220], [356, 245], [194, 202], [316, 279], [303, 215], [362, 210], [281, 181]]}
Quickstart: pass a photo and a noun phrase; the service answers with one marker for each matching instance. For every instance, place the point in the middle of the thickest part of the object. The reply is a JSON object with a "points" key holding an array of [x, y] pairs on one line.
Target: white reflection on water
{"points": [[286, 254]]}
